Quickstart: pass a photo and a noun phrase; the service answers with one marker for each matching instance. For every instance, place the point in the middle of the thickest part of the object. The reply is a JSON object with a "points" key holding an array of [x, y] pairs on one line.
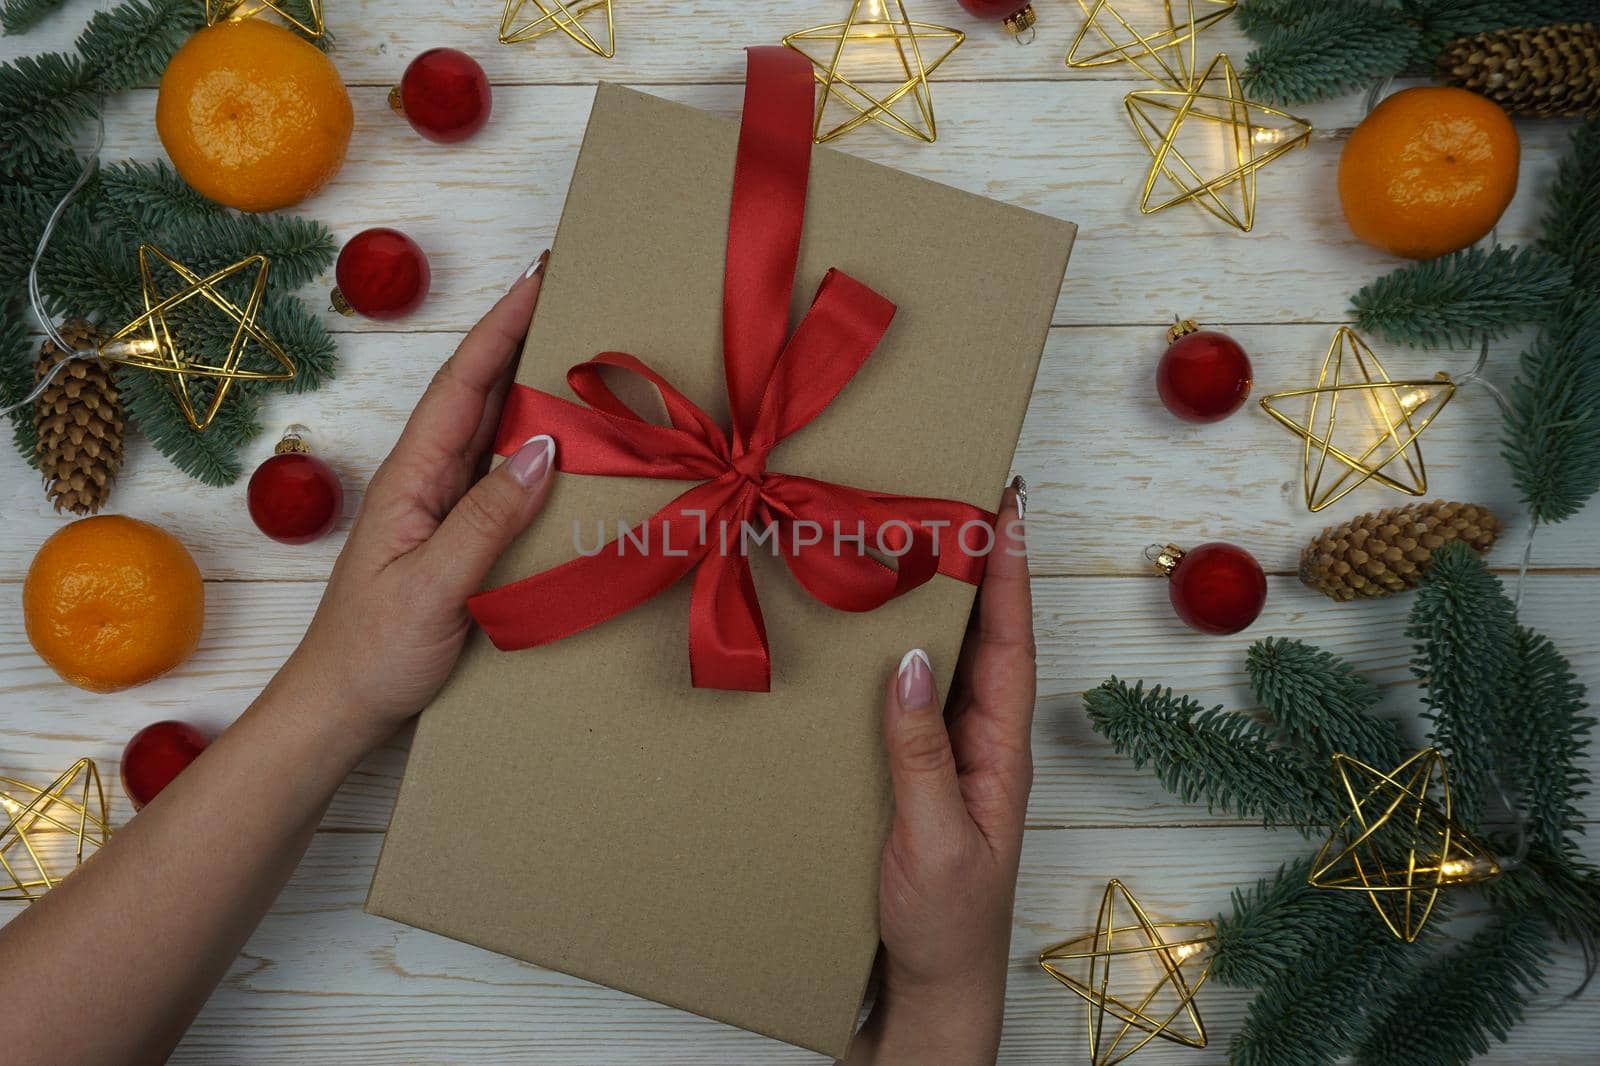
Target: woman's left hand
{"points": [[393, 617]]}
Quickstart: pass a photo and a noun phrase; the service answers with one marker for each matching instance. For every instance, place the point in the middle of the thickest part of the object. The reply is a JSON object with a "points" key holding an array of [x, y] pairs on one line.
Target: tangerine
{"points": [[1429, 171], [111, 602], [253, 116]]}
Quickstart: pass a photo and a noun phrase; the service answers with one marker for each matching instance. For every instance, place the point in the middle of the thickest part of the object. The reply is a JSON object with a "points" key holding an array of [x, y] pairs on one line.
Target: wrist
{"points": [[955, 1024], [321, 701]]}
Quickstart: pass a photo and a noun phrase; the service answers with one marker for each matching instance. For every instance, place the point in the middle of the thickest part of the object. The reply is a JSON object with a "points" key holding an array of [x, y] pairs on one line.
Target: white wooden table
{"points": [[1110, 471]]}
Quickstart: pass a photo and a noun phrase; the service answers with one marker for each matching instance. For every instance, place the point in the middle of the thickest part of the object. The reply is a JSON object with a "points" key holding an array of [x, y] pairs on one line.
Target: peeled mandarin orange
{"points": [[1428, 172], [253, 116], [110, 602]]}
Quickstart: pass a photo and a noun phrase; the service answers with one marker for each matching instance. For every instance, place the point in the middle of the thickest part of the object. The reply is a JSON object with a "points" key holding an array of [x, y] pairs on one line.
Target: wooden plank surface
{"points": [[1110, 472]]}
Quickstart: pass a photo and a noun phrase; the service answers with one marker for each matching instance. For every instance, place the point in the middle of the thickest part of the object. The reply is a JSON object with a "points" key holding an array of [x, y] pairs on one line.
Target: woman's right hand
{"points": [[949, 873]]}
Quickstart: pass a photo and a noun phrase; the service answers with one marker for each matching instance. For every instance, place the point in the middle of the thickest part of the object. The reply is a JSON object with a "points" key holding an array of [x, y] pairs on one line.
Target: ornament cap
{"points": [[1181, 328], [1165, 556], [1019, 24], [337, 302], [293, 442], [395, 103]]}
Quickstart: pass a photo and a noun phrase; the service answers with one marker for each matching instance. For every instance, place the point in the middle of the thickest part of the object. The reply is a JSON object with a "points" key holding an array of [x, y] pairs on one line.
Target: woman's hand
{"points": [[393, 618], [961, 782]]}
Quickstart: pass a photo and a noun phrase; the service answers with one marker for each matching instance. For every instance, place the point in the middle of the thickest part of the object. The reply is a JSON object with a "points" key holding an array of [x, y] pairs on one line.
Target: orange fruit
{"points": [[111, 602], [253, 116], [1428, 172]]}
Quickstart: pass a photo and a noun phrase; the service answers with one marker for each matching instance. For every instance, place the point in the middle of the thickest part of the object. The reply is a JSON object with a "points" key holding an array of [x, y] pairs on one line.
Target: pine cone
{"points": [[1545, 72], [79, 419], [1389, 551]]}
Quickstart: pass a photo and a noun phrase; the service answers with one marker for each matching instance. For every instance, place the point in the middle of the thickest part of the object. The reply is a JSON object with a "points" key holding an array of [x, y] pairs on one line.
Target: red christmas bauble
{"points": [[294, 497], [156, 754], [1203, 376], [381, 273], [444, 94], [1018, 15], [1214, 587]]}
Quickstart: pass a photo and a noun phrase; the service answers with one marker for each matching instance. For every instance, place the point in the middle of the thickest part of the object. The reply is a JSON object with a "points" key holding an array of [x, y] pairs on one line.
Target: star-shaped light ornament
{"points": [[1138, 976], [1162, 49], [528, 20], [1388, 421], [149, 342], [885, 46], [48, 831], [1206, 142], [235, 10], [1399, 844]]}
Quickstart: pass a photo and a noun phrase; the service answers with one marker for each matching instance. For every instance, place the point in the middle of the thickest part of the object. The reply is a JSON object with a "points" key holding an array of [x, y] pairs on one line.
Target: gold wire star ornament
{"points": [[159, 350], [1164, 52], [1164, 1009], [1397, 410], [48, 830], [1217, 174], [559, 15], [879, 23], [237, 10], [1399, 845]]}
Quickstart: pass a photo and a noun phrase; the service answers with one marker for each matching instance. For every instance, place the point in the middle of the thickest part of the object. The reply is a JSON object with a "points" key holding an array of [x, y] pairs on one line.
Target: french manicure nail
{"points": [[531, 462], [915, 680], [1021, 487], [537, 266]]}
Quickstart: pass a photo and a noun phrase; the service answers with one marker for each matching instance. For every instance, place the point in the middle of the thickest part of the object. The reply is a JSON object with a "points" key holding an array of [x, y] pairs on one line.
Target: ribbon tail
{"points": [[567, 599], [727, 635]]}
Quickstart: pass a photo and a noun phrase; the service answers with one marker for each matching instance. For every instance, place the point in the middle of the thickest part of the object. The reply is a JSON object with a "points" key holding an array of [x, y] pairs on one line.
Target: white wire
{"points": [[35, 298]]}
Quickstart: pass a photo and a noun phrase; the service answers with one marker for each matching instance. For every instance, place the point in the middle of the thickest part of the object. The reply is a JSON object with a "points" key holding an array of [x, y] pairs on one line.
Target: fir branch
{"points": [[153, 195], [1225, 760], [1572, 223], [43, 99], [1552, 418], [1463, 297], [129, 45], [1457, 1003], [1549, 736], [1320, 702], [1273, 926], [304, 338], [1259, 19], [17, 378], [211, 456], [1465, 635], [1316, 1011], [19, 16], [1330, 51], [1560, 890], [1441, 21]]}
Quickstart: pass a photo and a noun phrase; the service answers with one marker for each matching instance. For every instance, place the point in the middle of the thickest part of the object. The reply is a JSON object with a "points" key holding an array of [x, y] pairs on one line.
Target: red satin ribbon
{"points": [[775, 386]]}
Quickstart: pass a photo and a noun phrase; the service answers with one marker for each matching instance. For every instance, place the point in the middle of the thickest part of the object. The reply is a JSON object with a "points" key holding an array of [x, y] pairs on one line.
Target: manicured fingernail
{"points": [[1021, 487], [915, 680], [537, 266], [531, 463]]}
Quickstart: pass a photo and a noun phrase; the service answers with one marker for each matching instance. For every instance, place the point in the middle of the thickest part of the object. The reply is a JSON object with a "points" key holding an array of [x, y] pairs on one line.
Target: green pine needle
{"points": [[19, 16], [128, 46], [1330, 51], [1552, 417], [1465, 631], [16, 379], [1320, 703], [211, 456], [1458, 1003], [1224, 760], [1463, 297], [1572, 223], [1282, 919], [43, 100], [152, 194], [1549, 734]]}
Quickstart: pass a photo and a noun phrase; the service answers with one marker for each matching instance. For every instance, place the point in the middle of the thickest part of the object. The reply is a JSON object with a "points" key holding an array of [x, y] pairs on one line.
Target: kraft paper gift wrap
{"points": [[580, 805]]}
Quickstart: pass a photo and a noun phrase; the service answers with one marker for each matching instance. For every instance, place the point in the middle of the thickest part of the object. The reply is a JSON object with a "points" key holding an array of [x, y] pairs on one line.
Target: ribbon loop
{"points": [[834, 539]]}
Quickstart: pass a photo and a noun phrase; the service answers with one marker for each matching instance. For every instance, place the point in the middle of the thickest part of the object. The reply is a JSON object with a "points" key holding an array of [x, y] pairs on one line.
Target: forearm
{"points": [[112, 965]]}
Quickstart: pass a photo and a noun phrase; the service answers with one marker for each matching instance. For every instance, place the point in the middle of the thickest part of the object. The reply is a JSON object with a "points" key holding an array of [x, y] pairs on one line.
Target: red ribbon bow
{"points": [[774, 388]]}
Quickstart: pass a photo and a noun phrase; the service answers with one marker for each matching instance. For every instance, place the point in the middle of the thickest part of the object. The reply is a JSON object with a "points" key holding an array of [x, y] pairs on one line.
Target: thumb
{"points": [[485, 521], [921, 763]]}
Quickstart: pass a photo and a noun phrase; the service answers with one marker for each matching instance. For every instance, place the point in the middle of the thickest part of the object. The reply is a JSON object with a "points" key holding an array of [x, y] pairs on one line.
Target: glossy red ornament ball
{"points": [[1214, 587], [156, 754], [294, 497], [381, 273], [1017, 15], [1204, 375], [444, 94]]}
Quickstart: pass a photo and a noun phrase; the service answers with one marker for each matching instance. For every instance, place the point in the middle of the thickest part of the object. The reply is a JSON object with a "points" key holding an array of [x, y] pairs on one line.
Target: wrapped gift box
{"points": [[582, 805]]}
